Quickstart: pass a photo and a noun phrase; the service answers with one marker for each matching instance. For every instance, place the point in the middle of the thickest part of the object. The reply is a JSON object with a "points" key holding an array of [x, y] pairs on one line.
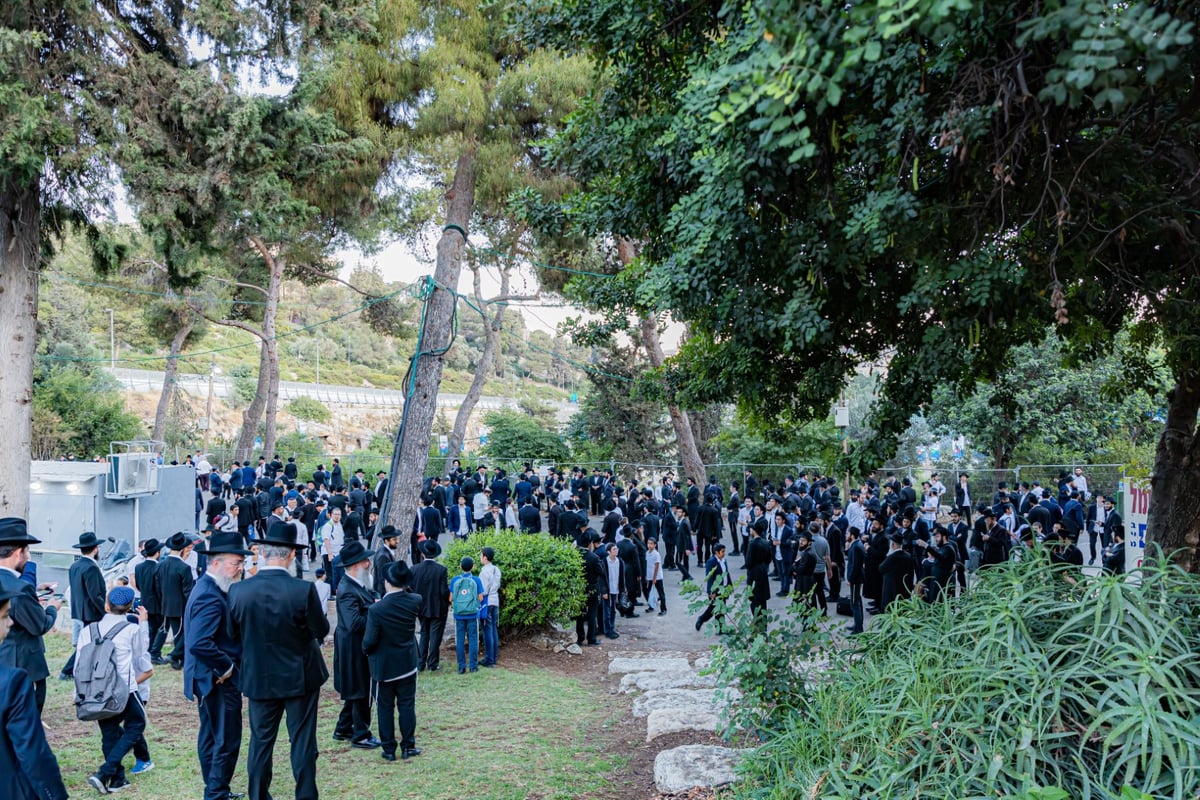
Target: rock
{"points": [[665, 679], [558, 648], [542, 642], [702, 663], [623, 665], [574, 649], [663, 721], [683, 768], [711, 700]]}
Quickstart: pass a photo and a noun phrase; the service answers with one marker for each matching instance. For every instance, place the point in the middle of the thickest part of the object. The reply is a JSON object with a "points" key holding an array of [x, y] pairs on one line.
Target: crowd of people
{"points": [[247, 625]]}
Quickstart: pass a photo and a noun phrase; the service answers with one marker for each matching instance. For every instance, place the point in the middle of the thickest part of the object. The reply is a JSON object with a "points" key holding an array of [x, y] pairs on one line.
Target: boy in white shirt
{"points": [[654, 577], [323, 591], [489, 576]]}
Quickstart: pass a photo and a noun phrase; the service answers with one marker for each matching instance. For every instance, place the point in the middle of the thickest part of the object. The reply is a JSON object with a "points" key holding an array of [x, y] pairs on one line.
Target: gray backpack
{"points": [[100, 690]]}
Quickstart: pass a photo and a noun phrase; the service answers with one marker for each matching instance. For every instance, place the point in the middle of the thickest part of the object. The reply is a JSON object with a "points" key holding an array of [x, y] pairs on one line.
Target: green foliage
{"points": [[1026, 682], [79, 412], [309, 409], [814, 443], [245, 384], [513, 435], [541, 576]]}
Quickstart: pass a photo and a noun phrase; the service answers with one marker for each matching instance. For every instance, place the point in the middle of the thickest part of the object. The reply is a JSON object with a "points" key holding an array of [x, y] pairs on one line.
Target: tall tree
{"points": [[931, 182]]}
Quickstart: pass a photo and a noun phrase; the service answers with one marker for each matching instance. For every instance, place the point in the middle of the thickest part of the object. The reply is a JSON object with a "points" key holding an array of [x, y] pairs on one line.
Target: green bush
{"points": [[1027, 682], [309, 409], [541, 577]]}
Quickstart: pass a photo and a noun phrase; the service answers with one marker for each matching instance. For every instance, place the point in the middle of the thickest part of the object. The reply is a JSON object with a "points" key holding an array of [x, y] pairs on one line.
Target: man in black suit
{"points": [[351, 673], [174, 585], [530, 517], [280, 623], [385, 555], [24, 647], [716, 570], [210, 664], [684, 544], [146, 576], [897, 573], [431, 581], [708, 528], [28, 769], [87, 592], [391, 647], [431, 519], [759, 557], [1112, 522], [381, 486]]}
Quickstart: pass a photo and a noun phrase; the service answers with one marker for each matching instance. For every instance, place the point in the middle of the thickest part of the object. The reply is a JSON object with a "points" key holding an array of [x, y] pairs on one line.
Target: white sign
{"points": [[1136, 504]]}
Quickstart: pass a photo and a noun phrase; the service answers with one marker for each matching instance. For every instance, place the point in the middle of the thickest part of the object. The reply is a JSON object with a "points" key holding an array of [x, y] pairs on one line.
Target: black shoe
{"points": [[699, 623], [489, 666], [176, 665], [370, 743], [632, 616], [62, 676], [434, 669], [341, 737], [594, 644], [781, 594], [409, 752], [474, 669], [117, 784], [462, 670], [1091, 561], [662, 613], [386, 756], [235, 796], [98, 783], [159, 661]]}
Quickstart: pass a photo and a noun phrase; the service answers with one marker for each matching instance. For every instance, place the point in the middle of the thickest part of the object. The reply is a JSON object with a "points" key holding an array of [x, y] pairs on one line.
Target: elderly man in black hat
{"points": [[87, 592], [175, 582], [431, 581], [280, 623], [210, 663], [391, 647], [351, 673], [24, 647]]}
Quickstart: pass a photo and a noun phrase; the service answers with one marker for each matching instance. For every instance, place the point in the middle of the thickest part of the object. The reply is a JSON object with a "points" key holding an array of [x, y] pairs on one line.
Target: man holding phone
{"points": [[24, 647]]}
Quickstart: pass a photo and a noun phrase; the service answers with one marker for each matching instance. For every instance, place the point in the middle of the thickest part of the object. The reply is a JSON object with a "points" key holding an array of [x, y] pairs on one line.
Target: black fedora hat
{"points": [[398, 574], [283, 534], [226, 543], [352, 553], [178, 541], [430, 548], [14, 531], [87, 541], [150, 547]]}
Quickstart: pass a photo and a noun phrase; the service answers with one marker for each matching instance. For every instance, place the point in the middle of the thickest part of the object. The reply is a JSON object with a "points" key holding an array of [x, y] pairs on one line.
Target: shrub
{"points": [[541, 580], [1024, 683], [309, 409]]}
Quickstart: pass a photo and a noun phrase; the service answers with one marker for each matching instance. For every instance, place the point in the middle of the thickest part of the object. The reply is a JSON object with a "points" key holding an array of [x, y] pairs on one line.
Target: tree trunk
{"points": [[411, 452], [483, 369], [168, 387], [266, 395], [1173, 520], [20, 231]]}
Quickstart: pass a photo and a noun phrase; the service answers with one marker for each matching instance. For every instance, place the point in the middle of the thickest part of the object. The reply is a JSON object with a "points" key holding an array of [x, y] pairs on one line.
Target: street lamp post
{"points": [[112, 341]]}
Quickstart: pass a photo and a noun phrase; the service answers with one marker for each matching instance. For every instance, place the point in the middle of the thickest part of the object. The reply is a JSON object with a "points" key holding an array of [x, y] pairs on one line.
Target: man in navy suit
{"points": [[391, 646], [24, 647], [281, 624], [717, 571], [28, 769], [210, 664]]}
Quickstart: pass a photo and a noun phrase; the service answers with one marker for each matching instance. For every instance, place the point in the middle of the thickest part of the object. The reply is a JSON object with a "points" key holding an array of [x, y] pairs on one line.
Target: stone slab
{"points": [[663, 721], [681, 769], [665, 679], [699, 699], [619, 666]]}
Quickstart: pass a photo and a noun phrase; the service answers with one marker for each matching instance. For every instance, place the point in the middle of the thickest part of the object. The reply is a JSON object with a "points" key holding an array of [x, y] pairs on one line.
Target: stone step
{"points": [[663, 721], [681, 769], [622, 665], [711, 700], [665, 679]]}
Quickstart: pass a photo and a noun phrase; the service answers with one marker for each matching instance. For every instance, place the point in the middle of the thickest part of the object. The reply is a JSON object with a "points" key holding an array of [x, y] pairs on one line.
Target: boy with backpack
{"points": [[110, 666], [466, 595]]}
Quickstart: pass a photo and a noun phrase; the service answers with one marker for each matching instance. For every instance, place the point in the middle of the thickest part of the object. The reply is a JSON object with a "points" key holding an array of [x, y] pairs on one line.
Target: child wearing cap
{"points": [[120, 734]]}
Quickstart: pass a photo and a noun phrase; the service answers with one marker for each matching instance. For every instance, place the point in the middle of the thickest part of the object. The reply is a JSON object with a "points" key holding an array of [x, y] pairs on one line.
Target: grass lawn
{"points": [[519, 732]]}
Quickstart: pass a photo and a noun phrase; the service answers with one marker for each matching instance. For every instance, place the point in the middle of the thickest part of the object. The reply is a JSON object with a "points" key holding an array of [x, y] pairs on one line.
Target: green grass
{"points": [[522, 732]]}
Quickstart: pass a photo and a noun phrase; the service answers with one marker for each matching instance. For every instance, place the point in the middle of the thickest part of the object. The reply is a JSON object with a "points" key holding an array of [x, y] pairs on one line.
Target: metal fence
{"points": [[983, 483]]}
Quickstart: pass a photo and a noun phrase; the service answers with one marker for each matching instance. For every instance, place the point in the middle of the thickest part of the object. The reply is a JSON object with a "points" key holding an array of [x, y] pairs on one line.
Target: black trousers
{"points": [[39, 694], [681, 560], [397, 698], [669, 558], [662, 594], [119, 735], [429, 646], [355, 719], [154, 623], [733, 531], [175, 626], [220, 738], [587, 622], [265, 716]]}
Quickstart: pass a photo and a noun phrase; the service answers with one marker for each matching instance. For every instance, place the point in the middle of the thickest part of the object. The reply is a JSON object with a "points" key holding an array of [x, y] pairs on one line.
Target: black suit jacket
{"points": [[174, 585], [280, 623], [390, 637], [146, 574], [28, 769], [897, 573], [531, 519], [431, 581], [351, 675], [209, 649], [431, 522], [87, 591], [24, 647]]}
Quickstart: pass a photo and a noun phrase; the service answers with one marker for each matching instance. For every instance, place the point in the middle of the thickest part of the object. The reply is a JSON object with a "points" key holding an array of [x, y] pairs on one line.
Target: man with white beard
{"points": [[210, 663], [351, 670]]}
